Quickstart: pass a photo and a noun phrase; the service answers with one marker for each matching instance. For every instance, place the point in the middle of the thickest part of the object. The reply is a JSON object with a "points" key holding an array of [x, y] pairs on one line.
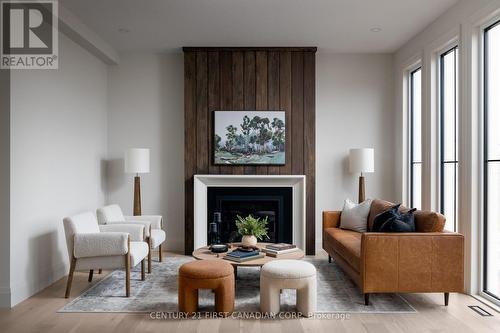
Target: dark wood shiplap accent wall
{"points": [[260, 78]]}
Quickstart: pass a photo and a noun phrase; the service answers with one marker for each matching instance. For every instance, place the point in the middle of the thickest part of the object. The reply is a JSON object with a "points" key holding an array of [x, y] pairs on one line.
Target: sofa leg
{"points": [[446, 298], [367, 299], [329, 259], [70, 277], [91, 274], [100, 270]]}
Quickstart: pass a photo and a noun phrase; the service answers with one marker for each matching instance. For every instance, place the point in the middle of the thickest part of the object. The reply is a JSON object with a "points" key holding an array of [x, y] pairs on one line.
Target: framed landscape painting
{"points": [[249, 137]]}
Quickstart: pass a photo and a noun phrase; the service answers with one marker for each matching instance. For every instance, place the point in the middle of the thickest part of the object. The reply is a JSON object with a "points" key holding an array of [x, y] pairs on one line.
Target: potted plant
{"points": [[251, 228]]}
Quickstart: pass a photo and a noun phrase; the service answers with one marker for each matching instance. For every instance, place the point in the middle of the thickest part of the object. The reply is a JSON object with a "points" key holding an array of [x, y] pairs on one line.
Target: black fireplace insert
{"points": [[273, 202]]}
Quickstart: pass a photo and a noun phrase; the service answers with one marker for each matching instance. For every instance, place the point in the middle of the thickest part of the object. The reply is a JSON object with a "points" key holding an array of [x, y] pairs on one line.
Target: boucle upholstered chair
{"points": [[288, 274], [155, 235], [91, 246]]}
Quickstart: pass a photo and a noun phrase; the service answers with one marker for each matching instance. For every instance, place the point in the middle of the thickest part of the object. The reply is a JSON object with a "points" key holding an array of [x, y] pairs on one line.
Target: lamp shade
{"points": [[137, 160], [361, 160]]}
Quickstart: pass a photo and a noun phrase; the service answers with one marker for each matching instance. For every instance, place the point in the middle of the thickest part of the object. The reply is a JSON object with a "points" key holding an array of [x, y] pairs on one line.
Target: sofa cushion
{"points": [[427, 221], [347, 244]]}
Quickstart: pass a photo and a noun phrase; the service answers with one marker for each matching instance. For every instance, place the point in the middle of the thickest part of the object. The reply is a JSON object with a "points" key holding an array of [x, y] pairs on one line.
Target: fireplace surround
{"points": [[253, 186]]}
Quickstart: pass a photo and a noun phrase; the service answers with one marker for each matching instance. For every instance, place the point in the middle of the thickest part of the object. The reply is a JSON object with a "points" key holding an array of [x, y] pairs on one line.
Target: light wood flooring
{"points": [[38, 314]]}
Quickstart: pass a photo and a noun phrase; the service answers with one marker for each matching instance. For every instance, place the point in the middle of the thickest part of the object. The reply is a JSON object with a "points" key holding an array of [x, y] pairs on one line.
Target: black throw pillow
{"points": [[405, 222], [384, 217]]}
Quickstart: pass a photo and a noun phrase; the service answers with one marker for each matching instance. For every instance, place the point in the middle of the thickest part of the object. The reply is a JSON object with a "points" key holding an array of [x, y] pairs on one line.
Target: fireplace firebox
{"points": [[275, 203]]}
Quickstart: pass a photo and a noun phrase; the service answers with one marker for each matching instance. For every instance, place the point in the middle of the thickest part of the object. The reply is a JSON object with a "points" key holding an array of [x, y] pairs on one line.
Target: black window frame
{"points": [[486, 160], [411, 132], [442, 160]]}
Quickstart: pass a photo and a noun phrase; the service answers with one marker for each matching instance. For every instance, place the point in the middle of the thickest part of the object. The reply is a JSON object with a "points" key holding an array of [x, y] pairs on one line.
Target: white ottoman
{"points": [[288, 274]]}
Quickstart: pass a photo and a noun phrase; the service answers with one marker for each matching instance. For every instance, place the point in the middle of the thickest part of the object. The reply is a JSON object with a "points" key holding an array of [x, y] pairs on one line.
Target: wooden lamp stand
{"points": [[361, 195], [137, 195]]}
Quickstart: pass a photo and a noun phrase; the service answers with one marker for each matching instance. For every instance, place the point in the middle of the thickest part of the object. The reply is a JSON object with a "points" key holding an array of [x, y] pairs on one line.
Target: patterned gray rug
{"points": [[336, 292]]}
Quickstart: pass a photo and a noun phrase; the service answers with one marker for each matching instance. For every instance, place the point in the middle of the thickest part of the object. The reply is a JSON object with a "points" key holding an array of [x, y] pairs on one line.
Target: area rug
{"points": [[336, 292]]}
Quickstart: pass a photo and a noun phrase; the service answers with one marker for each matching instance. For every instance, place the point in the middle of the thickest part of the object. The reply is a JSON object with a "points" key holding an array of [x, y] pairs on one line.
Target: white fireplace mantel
{"points": [[296, 182]]}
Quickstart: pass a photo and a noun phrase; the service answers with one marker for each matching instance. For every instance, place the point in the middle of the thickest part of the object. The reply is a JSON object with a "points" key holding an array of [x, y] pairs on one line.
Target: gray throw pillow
{"points": [[355, 216]]}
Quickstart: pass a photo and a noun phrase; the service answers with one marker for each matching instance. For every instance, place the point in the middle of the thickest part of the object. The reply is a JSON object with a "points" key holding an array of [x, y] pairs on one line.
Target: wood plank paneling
{"points": [[228, 79], [286, 105], [297, 124], [238, 97], [226, 92], [249, 95], [261, 92], [273, 91], [202, 155], [190, 143], [213, 104], [309, 145]]}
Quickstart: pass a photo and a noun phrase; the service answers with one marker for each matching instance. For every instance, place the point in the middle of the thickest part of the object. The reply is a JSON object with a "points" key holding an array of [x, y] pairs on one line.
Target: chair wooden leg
{"points": [[91, 274], [160, 254], [143, 270], [127, 270], [329, 259], [446, 298], [367, 299], [100, 270], [70, 276], [149, 256]]}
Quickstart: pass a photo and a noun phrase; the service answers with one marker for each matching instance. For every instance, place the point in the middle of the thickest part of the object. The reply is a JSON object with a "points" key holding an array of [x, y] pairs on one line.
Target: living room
{"points": [[250, 165]]}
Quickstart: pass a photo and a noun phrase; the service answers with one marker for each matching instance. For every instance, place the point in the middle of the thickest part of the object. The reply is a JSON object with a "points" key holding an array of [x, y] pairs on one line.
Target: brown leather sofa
{"points": [[427, 260]]}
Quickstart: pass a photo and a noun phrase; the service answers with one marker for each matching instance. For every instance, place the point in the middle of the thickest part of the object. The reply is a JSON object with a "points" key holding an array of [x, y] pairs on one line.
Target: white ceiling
{"points": [[341, 26]]}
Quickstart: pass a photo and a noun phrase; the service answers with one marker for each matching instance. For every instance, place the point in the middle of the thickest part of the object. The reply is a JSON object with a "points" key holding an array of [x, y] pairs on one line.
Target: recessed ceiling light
{"points": [[123, 30], [376, 29]]}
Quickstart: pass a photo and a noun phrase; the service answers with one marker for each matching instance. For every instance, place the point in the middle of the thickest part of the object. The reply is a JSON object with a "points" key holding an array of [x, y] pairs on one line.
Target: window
{"points": [[491, 173], [448, 72], [415, 108]]}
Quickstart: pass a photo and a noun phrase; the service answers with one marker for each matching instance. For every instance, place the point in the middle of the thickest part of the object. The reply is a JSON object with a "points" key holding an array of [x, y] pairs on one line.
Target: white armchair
{"points": [[91, 246], [155, 235]]}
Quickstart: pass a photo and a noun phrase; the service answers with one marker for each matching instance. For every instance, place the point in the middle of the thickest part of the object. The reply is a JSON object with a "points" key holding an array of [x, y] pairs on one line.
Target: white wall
{"points": [[354, 109], [58, 133], [4, 188], [146, 109]]}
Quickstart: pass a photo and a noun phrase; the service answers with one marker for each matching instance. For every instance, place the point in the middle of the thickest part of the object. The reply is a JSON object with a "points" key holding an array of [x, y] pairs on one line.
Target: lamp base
{"points": [[137, 196], [361, 196]]}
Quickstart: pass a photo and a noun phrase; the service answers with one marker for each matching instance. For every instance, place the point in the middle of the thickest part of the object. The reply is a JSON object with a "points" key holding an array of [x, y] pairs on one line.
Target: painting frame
{"points": [[249, 138]]}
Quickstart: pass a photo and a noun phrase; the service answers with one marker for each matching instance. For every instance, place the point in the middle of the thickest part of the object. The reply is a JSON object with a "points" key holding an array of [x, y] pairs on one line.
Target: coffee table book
{"points": [[243, 259]]}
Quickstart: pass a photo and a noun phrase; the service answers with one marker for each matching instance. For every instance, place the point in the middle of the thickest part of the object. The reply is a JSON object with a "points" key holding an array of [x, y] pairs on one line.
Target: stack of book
{"points": [[242, 256], [275, 250]]}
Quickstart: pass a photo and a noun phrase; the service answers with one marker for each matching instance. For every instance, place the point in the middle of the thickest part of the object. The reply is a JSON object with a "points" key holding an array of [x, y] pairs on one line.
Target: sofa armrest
{"points": [[137, 232], [412, 262], [331, 219], [100, 244], [155, 220]]}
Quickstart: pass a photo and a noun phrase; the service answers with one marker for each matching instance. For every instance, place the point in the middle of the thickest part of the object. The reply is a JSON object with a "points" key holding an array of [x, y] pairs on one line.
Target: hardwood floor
{"points": [[39, 314]]}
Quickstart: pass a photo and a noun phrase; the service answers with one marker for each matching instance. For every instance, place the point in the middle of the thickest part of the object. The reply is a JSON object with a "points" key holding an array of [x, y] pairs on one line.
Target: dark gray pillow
{"points": [[384, 217], [405, 222]]}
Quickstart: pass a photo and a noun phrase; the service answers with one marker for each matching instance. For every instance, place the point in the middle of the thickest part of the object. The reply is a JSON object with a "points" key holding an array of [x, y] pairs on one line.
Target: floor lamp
{"points": [[361, 160], [137, 161]]}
